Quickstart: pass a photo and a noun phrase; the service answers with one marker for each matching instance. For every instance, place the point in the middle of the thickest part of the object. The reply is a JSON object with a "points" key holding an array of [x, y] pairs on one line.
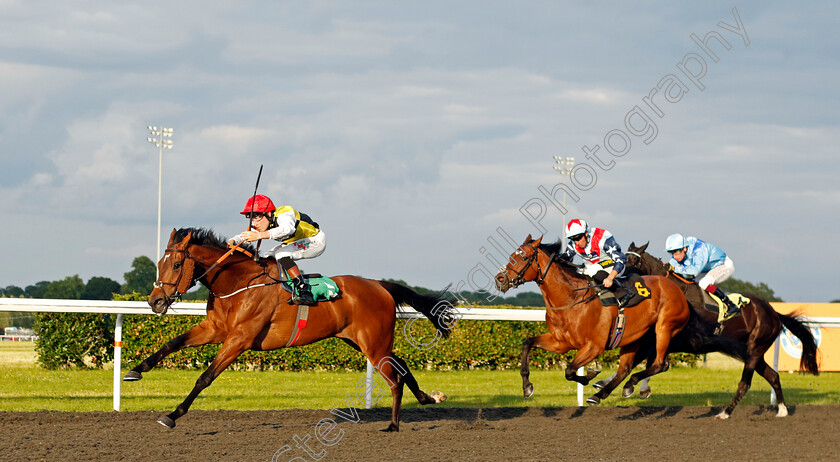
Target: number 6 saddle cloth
{"points": [[634, 283]]}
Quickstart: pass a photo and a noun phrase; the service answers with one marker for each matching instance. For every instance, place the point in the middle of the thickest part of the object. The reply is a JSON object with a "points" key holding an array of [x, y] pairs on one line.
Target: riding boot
{"points": [[304, 294], [731, 309], [301, 295], [625, 299]]}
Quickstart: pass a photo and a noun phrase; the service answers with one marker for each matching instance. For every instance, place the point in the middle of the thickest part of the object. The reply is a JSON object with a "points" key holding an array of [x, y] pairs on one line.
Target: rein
{"points": [[179, 292], [519, 279]]}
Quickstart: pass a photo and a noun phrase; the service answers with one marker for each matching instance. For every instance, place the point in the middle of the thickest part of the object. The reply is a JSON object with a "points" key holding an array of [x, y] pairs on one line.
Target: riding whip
{"points": [[251, 215]]}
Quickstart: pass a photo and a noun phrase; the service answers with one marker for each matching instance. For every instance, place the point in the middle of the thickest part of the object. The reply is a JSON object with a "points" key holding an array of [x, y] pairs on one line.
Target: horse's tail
{"points": [[797, 326], [437, 307]]}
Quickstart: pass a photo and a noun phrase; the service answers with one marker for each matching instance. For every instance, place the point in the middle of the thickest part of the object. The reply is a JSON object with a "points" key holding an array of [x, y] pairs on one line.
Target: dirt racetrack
{"points": [[604, 433]]}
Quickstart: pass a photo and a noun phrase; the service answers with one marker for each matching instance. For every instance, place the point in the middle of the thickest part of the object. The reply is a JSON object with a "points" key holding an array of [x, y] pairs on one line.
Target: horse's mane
{"points": [[208, 238], [557, 248]]}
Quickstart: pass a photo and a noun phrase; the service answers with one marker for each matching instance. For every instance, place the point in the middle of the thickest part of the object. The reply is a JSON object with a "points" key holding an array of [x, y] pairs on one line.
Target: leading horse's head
{"points": [[522, 266], [175, 269]]}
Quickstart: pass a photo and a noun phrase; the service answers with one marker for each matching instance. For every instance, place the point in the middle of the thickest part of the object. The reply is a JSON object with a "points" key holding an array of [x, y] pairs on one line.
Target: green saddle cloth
{"points": [[323, 288]]}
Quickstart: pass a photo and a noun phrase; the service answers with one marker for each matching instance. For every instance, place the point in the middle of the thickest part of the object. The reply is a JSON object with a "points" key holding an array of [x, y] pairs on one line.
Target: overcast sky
{"points": [[416, 133]]}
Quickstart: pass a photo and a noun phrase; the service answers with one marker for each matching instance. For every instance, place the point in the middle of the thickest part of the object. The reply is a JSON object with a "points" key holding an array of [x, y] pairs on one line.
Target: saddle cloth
{"points": [[634, 283], [323, 288]]}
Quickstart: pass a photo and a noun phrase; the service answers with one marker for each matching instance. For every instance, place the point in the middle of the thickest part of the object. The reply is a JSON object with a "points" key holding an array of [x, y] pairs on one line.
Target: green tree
{"points": [[69, 288], [100, 288], [11, 292], [141, 278], [36, 290], [744, 287]]}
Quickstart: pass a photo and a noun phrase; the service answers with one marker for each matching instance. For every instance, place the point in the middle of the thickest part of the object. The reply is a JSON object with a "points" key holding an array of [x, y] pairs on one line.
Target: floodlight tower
{"points": [[564, 166], [162, 141]]}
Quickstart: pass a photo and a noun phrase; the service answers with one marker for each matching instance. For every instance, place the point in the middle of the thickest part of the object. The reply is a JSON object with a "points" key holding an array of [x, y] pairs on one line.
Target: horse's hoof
{"points": [[528, 390], [722, 416], [391, 428], [592, 373], [438, 396], [783, 412], [132, 376], [166, 422], [593, 400], [644, 394], [599, 384], [627, 392]]}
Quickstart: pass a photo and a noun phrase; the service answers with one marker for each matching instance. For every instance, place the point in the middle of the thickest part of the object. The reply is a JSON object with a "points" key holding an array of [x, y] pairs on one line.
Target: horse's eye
{"points": [[176, 265]]}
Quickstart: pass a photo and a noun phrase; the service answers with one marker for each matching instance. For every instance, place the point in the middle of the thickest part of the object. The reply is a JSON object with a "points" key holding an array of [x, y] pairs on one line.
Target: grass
{"points": [[26, 387]]}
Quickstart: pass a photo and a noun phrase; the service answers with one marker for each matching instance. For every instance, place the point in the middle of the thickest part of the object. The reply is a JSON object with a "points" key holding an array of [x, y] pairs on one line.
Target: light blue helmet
{"points": [[674, 242]]}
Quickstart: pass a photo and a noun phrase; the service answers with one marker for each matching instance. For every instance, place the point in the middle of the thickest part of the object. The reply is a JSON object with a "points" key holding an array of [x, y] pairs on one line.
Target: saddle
{"points": [[633, 283], [715, 305]]}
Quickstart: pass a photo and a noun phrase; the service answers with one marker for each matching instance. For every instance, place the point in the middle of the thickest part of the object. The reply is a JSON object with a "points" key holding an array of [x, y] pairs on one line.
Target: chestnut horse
{"points": [[577, 321], [757, 328], [247, 310]]}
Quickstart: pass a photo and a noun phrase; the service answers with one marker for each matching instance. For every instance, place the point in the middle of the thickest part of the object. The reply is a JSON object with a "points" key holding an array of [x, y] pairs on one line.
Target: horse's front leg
{"points": [[545, 341], [197, 336], [583, 357], [232, 348]]}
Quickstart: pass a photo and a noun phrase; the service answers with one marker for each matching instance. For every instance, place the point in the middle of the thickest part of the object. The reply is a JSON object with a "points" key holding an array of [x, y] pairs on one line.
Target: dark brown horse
{"points": [[576, 321], [246, 310], [757, 328]]}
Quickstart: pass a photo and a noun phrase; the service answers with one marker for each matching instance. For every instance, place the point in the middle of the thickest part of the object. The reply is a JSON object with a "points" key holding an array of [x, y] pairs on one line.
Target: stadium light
{"points": [[162, 141], [564, 166]]}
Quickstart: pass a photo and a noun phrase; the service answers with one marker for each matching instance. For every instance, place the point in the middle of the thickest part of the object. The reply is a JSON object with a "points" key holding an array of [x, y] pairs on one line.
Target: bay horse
{"points": [[756, 328], [247, 310], [577, 321]]}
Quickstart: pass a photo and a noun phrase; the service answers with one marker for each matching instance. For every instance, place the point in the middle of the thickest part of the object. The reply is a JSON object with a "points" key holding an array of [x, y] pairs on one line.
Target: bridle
{"points": [[181, 287], [189, 265], [519, 279]]}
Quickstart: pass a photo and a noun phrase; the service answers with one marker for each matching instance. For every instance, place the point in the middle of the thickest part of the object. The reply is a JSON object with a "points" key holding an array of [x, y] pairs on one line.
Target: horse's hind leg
{"points": [[395, 372], [231, 350], [197, 336], [772, 377], [424, 398], [626, 362]]}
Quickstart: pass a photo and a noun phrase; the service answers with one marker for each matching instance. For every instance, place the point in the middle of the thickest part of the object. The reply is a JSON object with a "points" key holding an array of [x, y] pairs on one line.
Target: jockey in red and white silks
{"points": [[599, 251]]}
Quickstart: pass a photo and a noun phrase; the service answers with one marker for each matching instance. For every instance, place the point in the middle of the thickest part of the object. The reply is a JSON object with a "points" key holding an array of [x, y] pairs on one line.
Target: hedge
{"points": [[492, 345]]}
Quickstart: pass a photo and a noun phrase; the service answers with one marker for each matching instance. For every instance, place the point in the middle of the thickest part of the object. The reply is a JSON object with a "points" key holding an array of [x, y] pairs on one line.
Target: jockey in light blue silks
{"points": [[602, 257], [692, 258]]}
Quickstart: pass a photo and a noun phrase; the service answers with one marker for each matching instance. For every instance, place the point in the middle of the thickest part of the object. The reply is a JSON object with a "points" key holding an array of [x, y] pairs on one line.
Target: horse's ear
{"points": [[537, 242], [171, 238], [644, 247], [632, 245], [528, 239], [185, 241]]}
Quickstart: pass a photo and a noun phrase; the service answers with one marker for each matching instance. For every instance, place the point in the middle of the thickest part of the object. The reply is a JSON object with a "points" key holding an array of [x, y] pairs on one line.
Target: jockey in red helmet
{"points": [[299, 236]]}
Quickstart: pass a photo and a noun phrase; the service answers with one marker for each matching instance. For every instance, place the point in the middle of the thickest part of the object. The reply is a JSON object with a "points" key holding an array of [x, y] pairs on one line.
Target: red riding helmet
{"points": [[258, 204]]}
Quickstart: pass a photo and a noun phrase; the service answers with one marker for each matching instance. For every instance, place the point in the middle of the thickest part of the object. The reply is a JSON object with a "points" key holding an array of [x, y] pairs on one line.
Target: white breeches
{"points": [[308, 247], [717, 274], [591, 269]]}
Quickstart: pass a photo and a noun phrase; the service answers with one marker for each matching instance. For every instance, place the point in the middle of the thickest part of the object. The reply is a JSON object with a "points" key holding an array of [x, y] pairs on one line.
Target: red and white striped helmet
{"points": [[576, 227]]}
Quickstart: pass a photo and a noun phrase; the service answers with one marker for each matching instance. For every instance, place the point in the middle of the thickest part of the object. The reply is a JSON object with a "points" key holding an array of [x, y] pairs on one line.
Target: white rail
{"points": [[198, 309]]}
